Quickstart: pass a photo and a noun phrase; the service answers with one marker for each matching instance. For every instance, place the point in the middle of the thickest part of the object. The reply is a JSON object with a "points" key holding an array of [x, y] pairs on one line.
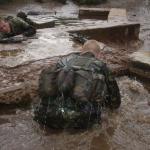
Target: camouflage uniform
{"points": [[74, 90], [18, 26]]}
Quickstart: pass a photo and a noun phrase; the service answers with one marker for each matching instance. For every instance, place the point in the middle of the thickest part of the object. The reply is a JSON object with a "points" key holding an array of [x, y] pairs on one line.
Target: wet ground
{"points": [[125, 129]]}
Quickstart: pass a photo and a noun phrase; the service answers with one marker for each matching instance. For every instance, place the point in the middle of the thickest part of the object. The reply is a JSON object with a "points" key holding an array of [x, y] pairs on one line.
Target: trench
{"points": [[124, 129]]}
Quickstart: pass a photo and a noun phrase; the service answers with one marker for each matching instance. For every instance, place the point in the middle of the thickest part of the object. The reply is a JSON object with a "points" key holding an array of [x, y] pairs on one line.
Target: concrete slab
{"points": [[140, 64], [110, 31], [116, 28], [117, 14], [94, 13]]}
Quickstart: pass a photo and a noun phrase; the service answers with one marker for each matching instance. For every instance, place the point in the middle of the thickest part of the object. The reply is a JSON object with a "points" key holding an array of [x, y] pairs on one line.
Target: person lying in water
{"points": [[12, 26], [75, 89]]}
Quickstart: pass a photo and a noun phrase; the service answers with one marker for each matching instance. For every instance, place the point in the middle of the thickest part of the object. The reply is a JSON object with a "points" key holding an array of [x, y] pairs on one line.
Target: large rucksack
{"points": [[77, 85]]}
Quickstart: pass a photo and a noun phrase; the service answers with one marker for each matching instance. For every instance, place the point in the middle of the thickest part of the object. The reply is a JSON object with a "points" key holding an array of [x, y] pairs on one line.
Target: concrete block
{"points": [[117, 14], [94, 13], [113, 32], [140, 64]]}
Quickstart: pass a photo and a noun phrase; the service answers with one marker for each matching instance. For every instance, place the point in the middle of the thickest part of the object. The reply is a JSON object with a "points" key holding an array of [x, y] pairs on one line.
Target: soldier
{"points": [[74, 90], [11, 26], [24, 17]]}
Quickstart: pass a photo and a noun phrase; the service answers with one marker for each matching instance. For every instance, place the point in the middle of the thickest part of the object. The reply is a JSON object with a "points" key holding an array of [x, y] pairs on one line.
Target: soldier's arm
{"points": [[28, 30], [114, 99]]}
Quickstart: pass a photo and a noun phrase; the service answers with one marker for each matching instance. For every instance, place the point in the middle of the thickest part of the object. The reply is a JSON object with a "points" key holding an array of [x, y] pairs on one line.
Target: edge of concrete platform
{"points": [[140, 64]]}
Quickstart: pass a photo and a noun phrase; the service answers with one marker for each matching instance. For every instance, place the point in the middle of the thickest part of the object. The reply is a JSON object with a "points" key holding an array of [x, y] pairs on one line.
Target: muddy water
{"points": [[125, 129]]}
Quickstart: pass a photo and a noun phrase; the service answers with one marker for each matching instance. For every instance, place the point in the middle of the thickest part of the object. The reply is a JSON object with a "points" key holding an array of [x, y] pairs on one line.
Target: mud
{"points": [[118, 129]]}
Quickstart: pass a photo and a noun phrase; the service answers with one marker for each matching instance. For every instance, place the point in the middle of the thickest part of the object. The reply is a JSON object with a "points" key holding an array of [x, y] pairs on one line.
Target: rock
{"points": [[140, 63]]}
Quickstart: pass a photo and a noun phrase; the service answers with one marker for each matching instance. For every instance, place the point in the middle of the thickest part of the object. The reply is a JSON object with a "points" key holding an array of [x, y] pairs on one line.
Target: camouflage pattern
{"points": [[24, 17], [74, 90], [18, 26]]}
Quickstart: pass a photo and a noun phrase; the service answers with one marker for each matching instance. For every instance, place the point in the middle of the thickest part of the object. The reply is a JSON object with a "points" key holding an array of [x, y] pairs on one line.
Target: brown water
{"points": [[125, 129]]}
